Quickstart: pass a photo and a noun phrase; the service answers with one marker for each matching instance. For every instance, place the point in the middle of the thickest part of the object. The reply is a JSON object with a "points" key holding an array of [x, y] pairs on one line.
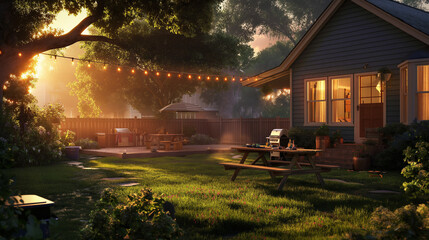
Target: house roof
{"points": [[413, 21], [182, 107]]}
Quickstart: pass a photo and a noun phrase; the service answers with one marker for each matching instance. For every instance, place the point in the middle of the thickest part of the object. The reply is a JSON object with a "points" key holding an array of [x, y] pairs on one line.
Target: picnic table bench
{"points": [[280, 167]]}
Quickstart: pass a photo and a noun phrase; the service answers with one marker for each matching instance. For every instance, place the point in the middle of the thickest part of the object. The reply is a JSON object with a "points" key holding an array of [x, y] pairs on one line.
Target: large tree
{"points": [[23, 22], [154, 50]]}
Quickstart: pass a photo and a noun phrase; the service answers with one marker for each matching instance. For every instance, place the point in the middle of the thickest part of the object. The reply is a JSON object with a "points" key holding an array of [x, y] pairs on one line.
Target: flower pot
{"points": [[322, 142], [361, 163]]}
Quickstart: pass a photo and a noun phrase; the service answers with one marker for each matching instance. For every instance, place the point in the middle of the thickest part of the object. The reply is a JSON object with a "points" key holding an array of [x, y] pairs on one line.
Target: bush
{"points": [[86, 143], [304, 138], [28, 135], [201, 139], [68, 137], [391, 158], [408, 222], [140, 217], [417, 170]]}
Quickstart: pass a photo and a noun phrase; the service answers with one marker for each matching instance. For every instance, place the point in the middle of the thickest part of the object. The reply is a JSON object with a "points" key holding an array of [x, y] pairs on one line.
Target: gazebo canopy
{"points": [[182, 107]]}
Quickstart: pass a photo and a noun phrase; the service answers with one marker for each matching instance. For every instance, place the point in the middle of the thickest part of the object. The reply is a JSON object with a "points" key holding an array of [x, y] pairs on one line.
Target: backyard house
{"points": [[362, 64]]}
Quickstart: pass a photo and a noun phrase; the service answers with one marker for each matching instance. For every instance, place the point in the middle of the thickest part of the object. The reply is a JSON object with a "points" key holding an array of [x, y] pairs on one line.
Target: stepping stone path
{"points": [[384, 192], [342, 181], [128, 184], [80, 165], [237, 156]]}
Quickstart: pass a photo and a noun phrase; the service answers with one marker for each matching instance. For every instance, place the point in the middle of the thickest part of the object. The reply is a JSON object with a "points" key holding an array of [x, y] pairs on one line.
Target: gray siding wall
{"points": [[352, 38]]}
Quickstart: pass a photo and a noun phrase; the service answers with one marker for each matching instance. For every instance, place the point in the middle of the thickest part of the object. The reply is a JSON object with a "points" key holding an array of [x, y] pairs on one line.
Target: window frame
{"points": [[306, 123], [419, 92], [412, 104], [331, 100]]}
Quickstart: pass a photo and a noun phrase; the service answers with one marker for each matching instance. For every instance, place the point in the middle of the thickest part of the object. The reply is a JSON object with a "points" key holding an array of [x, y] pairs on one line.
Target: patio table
{"points": [[158, 137], [280, 167]]}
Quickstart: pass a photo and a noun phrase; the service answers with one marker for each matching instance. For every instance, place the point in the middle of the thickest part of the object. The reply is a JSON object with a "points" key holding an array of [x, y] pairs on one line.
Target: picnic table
{"points": [[280, 167], [165, 138]]}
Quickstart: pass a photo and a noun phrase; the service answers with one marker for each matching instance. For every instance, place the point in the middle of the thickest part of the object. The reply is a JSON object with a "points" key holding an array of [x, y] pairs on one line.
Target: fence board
{"points": [[227, 131]]}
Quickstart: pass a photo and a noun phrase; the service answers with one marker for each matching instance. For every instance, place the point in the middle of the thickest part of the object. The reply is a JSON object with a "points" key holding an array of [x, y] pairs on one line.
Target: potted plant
{"points": [[336, 138], [384, 74], [362, 157], [322, 137]]}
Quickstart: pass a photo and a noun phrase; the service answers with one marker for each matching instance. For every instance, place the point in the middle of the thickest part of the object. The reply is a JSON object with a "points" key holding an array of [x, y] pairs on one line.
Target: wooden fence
{"points": [[227, 131]]}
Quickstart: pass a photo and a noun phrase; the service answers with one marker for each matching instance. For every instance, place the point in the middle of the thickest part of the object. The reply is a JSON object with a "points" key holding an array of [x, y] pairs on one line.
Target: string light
{"points": [[20, 54], [133, 70], [1, 52]]}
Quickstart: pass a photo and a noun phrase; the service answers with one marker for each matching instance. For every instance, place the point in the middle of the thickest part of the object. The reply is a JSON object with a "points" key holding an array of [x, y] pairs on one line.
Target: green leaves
{"points": [[417, 170]]}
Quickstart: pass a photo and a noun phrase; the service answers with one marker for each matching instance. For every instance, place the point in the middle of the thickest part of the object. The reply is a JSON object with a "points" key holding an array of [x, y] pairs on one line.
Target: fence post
{"points": [[181, 125]]}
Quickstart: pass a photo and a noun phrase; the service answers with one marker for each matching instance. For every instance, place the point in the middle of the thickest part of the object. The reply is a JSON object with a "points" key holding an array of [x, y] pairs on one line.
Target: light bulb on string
{"points": [[157, 74], [217, 79], [55, 58], [19, 54], [208, 77], [189, 77], [133, 71], [233, 79], [199, 77], [179, 75], [72, 62], [119, 69], [168, 74], [241, 79], [225, 79], [1, 52], [146, 73], [104, 67], [89, 64]]}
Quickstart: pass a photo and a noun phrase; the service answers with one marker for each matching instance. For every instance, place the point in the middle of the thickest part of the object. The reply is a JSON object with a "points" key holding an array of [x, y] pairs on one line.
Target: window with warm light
{"points": [[341, 100], [316, 101], [423, 92]]}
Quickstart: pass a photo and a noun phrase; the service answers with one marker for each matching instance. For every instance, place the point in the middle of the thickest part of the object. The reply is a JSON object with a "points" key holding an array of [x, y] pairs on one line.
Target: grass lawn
{"points": [[208, 205]]}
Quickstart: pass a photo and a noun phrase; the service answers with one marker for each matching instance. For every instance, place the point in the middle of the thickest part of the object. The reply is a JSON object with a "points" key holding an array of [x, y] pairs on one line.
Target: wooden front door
{"points": [[370, 103]]}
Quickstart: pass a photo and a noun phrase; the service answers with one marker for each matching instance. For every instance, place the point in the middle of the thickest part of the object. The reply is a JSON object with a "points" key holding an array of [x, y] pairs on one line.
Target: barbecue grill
{"points": [[124, 137], [278, 139]]}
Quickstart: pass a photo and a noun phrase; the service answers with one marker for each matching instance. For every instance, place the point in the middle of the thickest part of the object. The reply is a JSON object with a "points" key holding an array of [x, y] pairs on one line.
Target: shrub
{"points": [[86, 143], [68, 137], [201, 139], [417, 170], [392, 155], [141, 216], [408, 222], [28, 135], [304, 138]]}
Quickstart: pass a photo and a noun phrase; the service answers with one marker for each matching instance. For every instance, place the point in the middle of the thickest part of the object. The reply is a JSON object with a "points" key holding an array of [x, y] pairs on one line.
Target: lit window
{"points": [[341, 100], [423, 92], [316, 101]]}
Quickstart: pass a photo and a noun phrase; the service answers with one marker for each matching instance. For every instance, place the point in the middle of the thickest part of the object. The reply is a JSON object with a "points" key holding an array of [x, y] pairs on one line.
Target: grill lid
{"points": [[122, 130], [277, 133]]}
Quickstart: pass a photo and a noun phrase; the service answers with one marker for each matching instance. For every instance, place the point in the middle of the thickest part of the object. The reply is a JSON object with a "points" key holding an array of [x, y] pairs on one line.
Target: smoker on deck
{"points": [[124, 137], [278, 139]]}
